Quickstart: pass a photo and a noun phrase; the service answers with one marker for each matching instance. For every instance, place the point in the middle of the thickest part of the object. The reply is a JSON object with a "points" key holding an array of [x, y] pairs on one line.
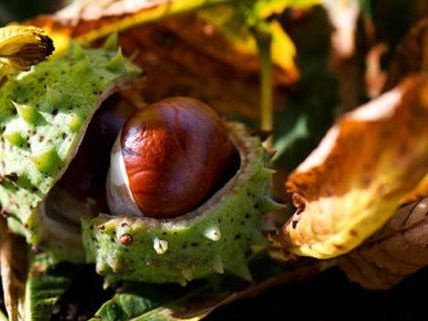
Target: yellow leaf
{"points": [[283, 50], [360, 173], [266, 8], [243, 42], [238, 35], [419, 192], [87, 21], [196, 55], [23, 46]]}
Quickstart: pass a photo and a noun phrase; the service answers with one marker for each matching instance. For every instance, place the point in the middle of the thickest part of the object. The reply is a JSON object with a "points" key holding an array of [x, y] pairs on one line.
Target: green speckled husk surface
{"points": [[216, 237], [43, 116]]}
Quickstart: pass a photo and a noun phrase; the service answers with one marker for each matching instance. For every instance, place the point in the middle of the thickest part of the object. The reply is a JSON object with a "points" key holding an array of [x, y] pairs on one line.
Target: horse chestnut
{"points": [[175, 154]]}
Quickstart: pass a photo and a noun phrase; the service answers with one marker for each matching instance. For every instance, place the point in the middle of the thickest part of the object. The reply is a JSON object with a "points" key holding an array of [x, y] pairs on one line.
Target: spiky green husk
{"points": [[217, 237], [43, 116]]}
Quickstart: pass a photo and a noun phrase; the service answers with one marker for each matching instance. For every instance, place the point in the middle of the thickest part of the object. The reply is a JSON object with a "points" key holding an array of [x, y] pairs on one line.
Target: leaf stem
{"points": [[264, 40]]}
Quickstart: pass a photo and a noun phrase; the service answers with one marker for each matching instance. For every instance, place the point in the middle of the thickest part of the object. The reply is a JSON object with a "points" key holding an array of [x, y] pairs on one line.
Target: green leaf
{"points": [[144, 302], [287, 141], [45, 284], [3, 316], [236, 23], [149, 302], [31, 283]]}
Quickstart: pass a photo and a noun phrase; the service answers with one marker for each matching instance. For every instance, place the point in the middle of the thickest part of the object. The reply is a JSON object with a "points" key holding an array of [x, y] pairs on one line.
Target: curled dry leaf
{"points": [[375, 77], [31, 284], [21, 47], [177, 66], [366, 164], [394, 252], [93, 19], [345, 56], [13, 262], [411, 57], [184, 54], [86, 21]]}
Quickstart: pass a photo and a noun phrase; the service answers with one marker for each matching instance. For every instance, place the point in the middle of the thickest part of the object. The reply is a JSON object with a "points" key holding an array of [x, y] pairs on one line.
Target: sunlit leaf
{"points": [[21, 47], [411, 57], [399, 248], [265, 8], [364, 167], [247, 30], [177, 67], [184, 54], [232, 23], [86, 21], [283, 50]]}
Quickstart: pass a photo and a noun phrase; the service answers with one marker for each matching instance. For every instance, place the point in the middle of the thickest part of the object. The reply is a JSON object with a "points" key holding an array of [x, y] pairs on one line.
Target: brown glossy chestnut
{"points": [[176, 153]]}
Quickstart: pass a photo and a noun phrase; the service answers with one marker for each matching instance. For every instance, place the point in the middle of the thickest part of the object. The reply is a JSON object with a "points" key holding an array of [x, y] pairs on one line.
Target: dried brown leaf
{"points": [[13, 268], [88, 20], [203, 305], [182, 54], [175, 66], [375, 77], [411, 55], [360, 173], [345, 56], [397, 250]]}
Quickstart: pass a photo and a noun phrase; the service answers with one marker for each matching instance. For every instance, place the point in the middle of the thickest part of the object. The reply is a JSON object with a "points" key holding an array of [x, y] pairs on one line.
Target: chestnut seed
{"points": [[176, 154]]}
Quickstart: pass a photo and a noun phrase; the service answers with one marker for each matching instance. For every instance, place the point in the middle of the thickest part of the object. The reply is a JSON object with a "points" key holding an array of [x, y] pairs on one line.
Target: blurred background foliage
{"points": [[18, 10]]}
